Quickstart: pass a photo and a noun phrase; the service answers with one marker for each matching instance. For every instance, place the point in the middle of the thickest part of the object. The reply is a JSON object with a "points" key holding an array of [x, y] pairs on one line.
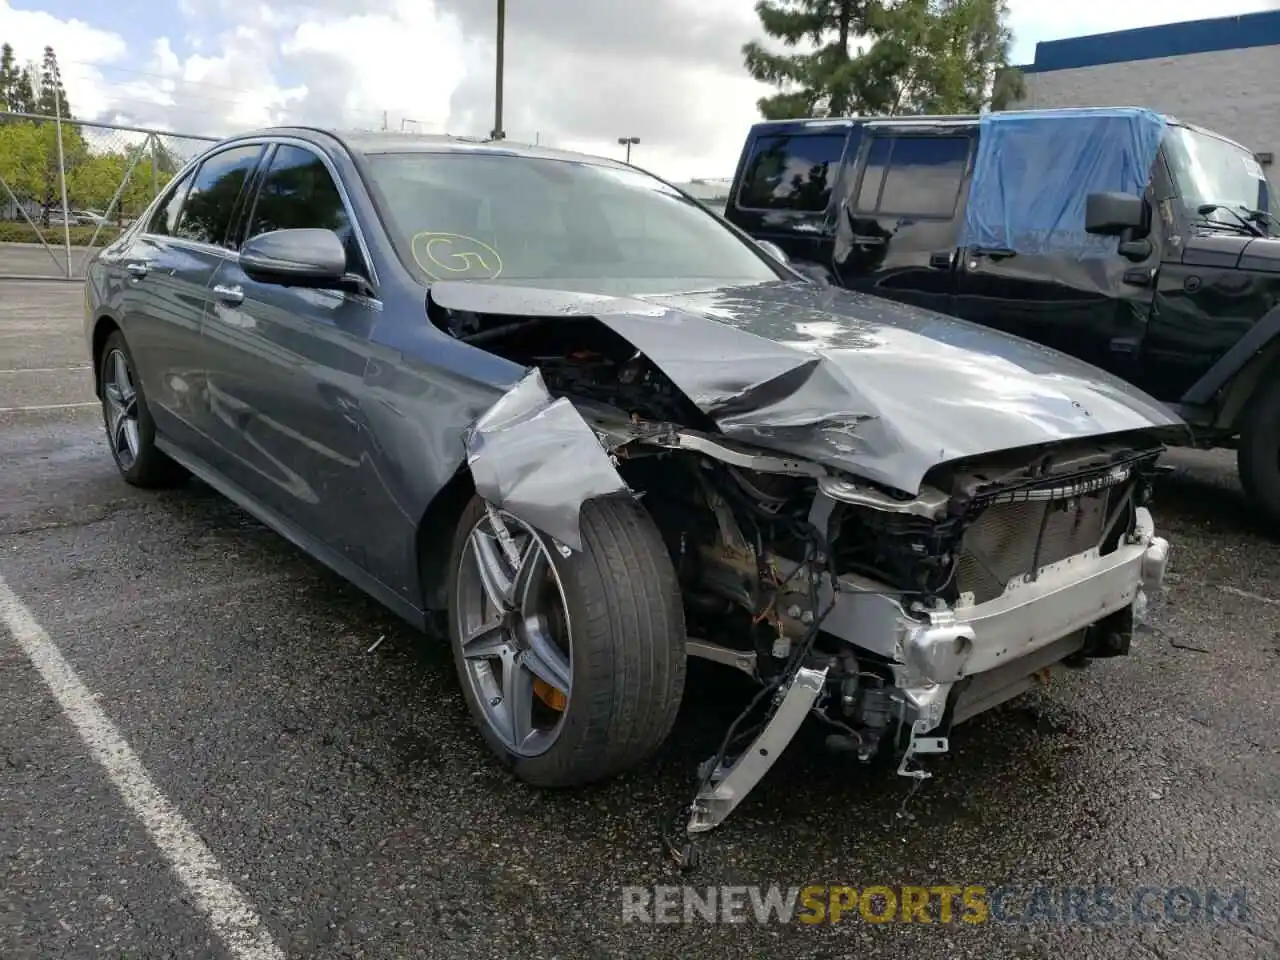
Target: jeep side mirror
{"points": [[1112, 214]]}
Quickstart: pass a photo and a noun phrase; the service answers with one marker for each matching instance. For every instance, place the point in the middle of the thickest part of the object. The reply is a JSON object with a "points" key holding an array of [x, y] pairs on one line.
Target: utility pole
{"points": [[498, 133], [627, 142]]}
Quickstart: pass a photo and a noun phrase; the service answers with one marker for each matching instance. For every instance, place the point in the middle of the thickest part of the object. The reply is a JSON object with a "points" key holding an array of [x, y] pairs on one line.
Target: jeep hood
{"points": [[854, 382]]}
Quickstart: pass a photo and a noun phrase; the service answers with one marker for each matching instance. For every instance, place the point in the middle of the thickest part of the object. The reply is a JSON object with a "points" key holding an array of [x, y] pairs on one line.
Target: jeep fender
{"points": [[1250, 355]]}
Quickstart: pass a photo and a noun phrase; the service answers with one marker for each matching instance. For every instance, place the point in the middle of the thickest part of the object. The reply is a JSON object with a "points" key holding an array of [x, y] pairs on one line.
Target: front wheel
{"points": [[1258, 458], [572, 666], [130, 429]]}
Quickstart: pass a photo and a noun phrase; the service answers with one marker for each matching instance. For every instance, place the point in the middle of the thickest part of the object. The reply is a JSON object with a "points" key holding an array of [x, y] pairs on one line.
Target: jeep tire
{"points": [[1258, 456]]}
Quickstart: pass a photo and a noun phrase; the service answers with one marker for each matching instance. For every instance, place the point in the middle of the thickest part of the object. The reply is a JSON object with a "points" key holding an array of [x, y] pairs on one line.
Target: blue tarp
{"points": [[1034, 170]]}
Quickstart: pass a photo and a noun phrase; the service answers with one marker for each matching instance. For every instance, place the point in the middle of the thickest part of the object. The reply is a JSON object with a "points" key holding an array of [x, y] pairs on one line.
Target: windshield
{"points": [[1210, 170], [541, 222]]}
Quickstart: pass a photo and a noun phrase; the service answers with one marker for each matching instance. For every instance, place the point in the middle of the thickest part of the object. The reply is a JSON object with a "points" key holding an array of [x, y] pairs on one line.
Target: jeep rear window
{"points": [[792, 172], [551, 222]]}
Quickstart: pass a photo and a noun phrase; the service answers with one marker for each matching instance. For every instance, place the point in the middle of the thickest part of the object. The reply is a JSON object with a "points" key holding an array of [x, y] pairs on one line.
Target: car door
{"points": [[168, 267], [285, 365], [898, 222]]}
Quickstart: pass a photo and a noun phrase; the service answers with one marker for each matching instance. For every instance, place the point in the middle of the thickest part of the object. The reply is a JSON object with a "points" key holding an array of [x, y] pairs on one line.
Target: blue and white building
{"points": [[1222, 73]]}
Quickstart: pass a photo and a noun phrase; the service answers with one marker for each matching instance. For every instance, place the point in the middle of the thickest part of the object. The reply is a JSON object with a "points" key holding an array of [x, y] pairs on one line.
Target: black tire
{"points": [[1258, 457], [629, 658], [148, 467]]}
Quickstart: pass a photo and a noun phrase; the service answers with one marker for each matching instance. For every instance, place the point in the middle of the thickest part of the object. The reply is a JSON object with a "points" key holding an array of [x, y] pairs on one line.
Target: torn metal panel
{"points": [[538, 459], [881, 389]]}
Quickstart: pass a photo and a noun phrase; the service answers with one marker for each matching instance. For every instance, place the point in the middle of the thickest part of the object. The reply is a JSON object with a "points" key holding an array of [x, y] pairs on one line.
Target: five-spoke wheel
{"points": [[515, 631], [120, 399], [572, 662], [130, 429]]}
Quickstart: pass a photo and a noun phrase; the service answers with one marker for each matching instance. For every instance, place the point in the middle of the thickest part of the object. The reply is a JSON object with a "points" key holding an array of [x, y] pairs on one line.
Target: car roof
{"points": [[370, 143], [817, 124]]}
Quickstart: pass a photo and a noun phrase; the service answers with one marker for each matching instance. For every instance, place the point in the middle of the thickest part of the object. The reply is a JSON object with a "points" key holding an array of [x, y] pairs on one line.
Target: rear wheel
{"points": [[130, 430], [1258, 457], [572, 666]]}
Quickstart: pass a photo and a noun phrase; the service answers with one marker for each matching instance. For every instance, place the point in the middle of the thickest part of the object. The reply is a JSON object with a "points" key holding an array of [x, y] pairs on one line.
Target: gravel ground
{"points": [[346, 795]]}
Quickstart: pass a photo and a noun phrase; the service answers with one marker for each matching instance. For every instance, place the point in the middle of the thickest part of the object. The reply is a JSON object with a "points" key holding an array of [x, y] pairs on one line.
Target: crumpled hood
{"points": [[858, 383]]}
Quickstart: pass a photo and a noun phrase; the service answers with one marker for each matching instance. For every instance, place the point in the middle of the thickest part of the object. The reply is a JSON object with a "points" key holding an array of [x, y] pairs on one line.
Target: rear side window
{"points": [[792, 172], [215, 191], [913, 176]]}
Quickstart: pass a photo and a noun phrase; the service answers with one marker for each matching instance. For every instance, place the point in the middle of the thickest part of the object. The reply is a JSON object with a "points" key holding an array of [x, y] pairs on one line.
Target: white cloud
{"points": [[404, 62], [30, 31], [579, 75]]}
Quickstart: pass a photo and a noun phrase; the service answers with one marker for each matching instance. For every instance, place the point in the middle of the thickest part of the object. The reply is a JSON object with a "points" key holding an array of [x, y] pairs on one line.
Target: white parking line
{"points": [[77, 366], [230, 914], [50, 406]]}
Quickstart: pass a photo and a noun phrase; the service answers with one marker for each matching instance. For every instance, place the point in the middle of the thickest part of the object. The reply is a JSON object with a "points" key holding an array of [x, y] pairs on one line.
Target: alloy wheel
{"points": [[514, 632], [120, 400]]}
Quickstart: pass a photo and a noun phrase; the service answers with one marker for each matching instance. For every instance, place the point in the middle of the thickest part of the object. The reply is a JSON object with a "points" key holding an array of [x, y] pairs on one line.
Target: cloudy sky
{"points": [[580, 73]]}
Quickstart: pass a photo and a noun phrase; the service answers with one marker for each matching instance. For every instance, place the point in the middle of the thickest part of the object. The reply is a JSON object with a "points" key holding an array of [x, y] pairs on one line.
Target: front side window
{"points": [[1209, 170], [298, 192], [165, 219], [558, 223], [211, 203], [913, 176], [793, 172]]}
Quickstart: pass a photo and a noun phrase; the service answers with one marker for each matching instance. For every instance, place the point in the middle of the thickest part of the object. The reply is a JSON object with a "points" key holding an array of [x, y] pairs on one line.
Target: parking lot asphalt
{"points": [[33, 260], [342, 790]]}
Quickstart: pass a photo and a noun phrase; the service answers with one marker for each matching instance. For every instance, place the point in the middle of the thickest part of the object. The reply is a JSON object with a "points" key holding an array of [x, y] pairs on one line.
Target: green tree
{"points": [[22, 97], [23, 158], [8, 76], [877, 57], [51, 97]]}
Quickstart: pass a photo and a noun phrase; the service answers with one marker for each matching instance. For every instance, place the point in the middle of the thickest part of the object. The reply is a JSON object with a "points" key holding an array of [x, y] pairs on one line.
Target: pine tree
{"points": [[8, 76], [877, 57], [23, 97], [51, 97], [826, 80]]}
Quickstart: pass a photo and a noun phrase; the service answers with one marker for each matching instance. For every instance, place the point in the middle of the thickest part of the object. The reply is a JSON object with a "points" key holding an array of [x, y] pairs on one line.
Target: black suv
{"points": [[1139, 243]]}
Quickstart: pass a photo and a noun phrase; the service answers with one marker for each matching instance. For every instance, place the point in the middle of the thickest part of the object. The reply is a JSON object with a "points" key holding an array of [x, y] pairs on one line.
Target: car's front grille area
{"points": [[1001, 544]]}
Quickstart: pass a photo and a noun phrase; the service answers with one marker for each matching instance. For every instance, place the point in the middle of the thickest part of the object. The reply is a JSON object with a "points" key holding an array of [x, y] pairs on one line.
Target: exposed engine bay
{"points": [[889, 615]]}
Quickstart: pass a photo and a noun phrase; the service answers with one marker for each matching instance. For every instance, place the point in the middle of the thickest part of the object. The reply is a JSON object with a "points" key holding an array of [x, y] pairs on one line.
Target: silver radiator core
{"points": [[1001, 544]]}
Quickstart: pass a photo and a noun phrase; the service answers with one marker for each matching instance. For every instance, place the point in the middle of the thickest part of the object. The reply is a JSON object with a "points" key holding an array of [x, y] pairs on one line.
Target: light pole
{"points": [[498, 133], [627, 142]]}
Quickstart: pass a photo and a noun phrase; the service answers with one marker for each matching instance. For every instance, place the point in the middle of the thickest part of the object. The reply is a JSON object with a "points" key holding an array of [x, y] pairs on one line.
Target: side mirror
{"points": [[307, 257], [773, 250], [1111, 214]]}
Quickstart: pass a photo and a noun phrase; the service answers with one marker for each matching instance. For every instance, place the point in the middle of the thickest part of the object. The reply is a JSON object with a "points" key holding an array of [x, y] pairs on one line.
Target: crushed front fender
{"points": [[538, 459]]}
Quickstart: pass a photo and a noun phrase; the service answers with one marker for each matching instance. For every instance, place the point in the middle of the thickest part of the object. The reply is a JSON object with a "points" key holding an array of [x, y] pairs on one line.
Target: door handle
{"points": [[138, 269], [231, 295], [942, 260], [995, 253]]}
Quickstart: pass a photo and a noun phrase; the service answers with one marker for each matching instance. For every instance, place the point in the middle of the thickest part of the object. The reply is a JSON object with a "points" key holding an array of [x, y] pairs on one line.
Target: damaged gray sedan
{"points": [[556, 406]]}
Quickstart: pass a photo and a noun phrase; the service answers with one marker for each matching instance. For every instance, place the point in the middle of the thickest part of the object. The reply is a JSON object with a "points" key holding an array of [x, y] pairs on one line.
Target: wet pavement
{"points": [[344, 792]]}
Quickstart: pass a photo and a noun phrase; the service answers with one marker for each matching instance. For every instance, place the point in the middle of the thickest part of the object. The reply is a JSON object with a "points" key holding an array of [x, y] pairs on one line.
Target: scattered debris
{"points": [[376, 644]]}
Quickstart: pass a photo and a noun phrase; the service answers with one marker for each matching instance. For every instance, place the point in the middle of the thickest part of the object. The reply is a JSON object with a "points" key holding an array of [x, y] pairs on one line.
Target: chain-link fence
{"points": [[69, 187]]}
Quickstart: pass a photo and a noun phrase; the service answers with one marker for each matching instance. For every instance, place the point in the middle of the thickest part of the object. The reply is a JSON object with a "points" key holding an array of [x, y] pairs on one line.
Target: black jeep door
{"points": [[897, 222], [1095, 307]]}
